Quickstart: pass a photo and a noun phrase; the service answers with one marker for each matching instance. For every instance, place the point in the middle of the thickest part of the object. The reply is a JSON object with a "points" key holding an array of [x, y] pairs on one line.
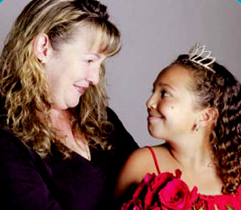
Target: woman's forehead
{"points": [[96, 39]]}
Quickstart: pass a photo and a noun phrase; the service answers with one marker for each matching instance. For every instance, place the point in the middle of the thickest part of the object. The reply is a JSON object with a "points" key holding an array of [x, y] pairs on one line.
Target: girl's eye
{"points": [[164, 94]]}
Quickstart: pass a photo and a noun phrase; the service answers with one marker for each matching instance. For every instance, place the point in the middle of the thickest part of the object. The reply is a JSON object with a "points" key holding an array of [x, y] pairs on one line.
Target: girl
{"points": [[196, 108]]}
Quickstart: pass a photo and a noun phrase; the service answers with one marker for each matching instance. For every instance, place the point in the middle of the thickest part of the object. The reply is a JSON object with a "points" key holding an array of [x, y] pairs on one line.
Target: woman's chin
{"points": [[64, 106]]}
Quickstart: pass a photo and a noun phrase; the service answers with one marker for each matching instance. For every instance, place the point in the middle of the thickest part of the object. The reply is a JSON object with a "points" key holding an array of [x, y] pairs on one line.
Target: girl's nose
{"points": [[151, 102]]}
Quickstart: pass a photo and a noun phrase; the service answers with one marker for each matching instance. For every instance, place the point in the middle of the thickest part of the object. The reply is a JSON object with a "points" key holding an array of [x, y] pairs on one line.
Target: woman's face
{"points": [[171, 107], [72, 69]]}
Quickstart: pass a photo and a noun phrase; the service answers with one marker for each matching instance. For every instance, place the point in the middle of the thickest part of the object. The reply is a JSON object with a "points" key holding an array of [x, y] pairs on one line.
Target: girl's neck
{"points": [[197, 169], [195, 155]]}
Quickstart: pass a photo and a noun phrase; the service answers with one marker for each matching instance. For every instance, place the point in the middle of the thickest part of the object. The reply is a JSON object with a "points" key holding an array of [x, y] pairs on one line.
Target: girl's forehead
{"points": [[175, 75]]}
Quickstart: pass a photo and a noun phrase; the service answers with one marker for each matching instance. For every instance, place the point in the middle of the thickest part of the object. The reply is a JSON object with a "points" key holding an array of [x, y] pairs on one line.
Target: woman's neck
{"points": [[62, 125]]}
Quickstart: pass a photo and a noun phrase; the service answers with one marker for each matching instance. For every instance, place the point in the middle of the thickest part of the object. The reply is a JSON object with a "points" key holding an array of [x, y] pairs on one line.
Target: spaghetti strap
{"points": [[155, 159]]}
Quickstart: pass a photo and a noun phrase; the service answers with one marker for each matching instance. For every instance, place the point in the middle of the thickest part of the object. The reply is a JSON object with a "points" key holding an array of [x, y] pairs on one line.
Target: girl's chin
{"points": [[155, 134]]}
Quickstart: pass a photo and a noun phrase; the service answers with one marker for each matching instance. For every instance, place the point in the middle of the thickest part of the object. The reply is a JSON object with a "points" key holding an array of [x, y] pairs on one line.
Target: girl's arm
{"points": [[133, 171]]}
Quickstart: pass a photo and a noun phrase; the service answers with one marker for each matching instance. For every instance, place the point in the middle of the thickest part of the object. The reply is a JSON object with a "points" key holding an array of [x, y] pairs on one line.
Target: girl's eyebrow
{"points": [[162, 85]]}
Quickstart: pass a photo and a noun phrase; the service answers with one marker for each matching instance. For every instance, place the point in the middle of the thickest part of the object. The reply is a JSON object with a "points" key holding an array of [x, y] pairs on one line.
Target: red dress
{"points": [[167, 191]]}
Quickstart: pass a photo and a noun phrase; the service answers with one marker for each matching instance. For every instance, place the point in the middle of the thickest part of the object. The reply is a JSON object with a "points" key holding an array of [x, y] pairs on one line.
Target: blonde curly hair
{"points": [[23, 85]]}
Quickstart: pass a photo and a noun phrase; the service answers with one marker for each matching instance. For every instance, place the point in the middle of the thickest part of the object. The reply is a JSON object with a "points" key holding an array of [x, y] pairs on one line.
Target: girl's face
{"points": [[72, 69], [171, 107]]}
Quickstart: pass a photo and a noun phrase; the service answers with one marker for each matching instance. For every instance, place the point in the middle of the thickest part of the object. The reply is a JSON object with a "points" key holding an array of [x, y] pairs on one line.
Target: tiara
{"points": [[198, 55]]}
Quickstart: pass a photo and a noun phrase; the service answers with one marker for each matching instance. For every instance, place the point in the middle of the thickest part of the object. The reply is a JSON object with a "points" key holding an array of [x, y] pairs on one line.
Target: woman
{"points": [[60, 146], [195, 107]]}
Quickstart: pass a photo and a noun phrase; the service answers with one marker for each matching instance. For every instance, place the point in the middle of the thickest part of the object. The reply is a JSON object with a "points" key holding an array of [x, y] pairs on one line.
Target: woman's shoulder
{"points": [[14, 153], [8, 141], [122, 140], [5, 133], [112, 116]]}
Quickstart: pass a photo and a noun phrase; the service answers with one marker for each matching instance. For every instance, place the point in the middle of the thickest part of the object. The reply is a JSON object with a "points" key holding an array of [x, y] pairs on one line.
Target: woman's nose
{"points": [[94, 75]]}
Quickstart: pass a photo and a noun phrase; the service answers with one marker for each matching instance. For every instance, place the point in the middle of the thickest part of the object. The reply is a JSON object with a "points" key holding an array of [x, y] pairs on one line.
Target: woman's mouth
{"points": [[80, 89]]}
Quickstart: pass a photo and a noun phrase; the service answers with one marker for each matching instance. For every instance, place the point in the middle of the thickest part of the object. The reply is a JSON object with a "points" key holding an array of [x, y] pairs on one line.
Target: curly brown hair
{"points": [[222, 91], [23, 85]]}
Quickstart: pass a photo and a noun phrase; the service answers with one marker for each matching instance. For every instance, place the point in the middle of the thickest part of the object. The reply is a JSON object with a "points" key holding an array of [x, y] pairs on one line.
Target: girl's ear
{"points": [[41, 46], [208, 117]]}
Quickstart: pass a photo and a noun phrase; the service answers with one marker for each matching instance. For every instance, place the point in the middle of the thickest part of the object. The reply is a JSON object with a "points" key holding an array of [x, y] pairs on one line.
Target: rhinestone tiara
{"points": [[199, 55]]}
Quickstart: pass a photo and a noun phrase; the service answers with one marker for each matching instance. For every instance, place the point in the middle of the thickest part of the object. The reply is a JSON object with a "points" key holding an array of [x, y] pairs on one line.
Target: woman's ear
{"points": [[41, 46], [208, 116]]}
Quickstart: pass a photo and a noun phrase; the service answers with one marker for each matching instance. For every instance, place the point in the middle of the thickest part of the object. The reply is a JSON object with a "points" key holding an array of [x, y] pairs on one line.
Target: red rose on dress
{"points": [[142, 188], [132, 205], [176, 195], [158, 183], [162, 192]]}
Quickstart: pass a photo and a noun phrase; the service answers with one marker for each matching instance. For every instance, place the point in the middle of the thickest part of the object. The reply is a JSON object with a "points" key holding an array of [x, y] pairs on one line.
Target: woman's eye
{"points": [[89, 61]]}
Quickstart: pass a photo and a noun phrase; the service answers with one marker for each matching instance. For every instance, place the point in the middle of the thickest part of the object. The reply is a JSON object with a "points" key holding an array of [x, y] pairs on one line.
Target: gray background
{"points": [[154, 32]]}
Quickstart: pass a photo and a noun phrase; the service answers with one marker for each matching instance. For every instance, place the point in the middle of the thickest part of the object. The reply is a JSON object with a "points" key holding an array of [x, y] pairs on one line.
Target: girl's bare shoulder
{"points": [[139, 163], [142, 160]]}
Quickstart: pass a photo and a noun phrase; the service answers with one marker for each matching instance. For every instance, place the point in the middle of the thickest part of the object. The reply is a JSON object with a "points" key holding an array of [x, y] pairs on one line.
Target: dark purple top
{"points": [[28, 182]]}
